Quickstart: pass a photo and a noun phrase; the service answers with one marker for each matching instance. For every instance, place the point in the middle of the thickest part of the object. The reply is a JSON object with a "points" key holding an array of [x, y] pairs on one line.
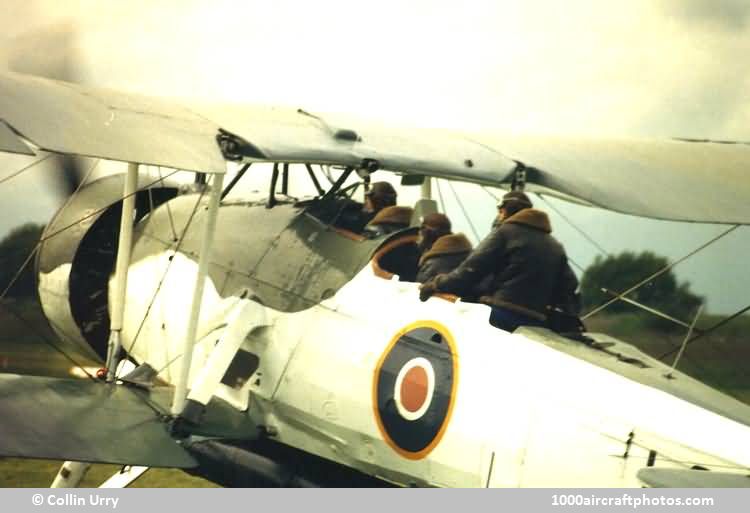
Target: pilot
{"points": [[403, 258], [380, 196], [433, 227], [526, 268], [356, 216], [441, 251]]}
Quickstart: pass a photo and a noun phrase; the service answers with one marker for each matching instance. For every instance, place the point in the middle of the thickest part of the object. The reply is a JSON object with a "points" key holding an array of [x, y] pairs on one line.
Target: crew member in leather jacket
{"points": [[527, 268], [440, 250], [401, 260]]}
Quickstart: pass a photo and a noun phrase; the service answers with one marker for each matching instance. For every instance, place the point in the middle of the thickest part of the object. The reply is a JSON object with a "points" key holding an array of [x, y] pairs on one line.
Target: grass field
{"points": [[26, 347], [19, 473], [719, 360]]}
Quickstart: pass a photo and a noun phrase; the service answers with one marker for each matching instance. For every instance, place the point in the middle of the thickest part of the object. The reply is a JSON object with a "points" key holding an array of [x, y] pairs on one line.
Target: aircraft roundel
{"points": [[414, 388]]}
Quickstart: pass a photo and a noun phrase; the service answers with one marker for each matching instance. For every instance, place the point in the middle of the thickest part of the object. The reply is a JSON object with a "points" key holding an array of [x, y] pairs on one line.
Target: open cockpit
{"points": [[336, 199]]}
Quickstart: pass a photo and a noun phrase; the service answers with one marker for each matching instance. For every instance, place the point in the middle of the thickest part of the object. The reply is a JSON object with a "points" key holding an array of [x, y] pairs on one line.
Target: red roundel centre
{"points": [[414, 389]]}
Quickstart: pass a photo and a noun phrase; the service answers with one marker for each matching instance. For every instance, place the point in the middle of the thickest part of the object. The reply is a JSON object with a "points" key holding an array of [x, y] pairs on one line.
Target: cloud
{"points": [[49, 52], [725, 15], [704, 83], [641, 67]]}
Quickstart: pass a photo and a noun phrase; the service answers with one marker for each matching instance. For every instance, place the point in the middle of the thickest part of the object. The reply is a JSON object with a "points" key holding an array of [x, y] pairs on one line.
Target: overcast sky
{"points": [[659, 68]]}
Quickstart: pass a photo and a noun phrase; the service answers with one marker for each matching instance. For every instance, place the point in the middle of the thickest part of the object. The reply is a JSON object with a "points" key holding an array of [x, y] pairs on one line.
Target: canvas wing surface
{"points": [[698, 181], [11, 143], [67, 118], [679, 180], [285, 134]]}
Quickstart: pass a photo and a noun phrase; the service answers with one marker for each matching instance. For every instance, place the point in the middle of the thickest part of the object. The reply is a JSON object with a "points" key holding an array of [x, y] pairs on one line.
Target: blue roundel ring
{"points": [[414, 388]]}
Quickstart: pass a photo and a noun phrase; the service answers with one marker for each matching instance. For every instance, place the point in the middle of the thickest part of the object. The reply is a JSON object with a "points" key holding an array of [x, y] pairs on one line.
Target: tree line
{"points": [[618, 273], [14, 250]]}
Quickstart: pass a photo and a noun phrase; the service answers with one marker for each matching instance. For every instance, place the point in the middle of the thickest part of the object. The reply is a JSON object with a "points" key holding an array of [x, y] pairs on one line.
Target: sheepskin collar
{"points": [[393, 215], [533, 218], [448, 245]]}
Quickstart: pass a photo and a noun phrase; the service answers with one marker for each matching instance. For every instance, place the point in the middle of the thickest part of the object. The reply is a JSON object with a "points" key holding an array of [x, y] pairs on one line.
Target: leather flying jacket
{"points": [[523, 267], [445, 255]]}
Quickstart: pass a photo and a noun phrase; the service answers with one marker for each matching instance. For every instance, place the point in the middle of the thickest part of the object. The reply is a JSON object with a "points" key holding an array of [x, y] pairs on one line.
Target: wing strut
{"points": [[684, 342], [70, 475], [72, 472], [244, 317], [124, 477], [180, 393], [425, 205], [124, 247], [427, 188]]}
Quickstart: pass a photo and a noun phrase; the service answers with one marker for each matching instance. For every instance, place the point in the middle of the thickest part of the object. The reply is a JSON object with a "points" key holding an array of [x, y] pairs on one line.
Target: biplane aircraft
{"points": [[260, 342]]}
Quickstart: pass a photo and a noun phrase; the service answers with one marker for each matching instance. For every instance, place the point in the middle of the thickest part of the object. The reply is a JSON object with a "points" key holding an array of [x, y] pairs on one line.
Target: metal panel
{"points": [[9, 142], [220, 419], [68, 118], [83, 420], [284, 247]]}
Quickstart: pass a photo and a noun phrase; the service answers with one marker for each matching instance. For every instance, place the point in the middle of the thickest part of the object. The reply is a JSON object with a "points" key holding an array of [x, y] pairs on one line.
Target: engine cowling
{"points": [[77, 257]]}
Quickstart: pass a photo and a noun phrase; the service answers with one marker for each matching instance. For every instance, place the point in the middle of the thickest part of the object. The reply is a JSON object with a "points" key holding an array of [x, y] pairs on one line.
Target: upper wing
{"points": [[298, 136], [677, 180], [67, 118], [10, 143], [697, 181]]}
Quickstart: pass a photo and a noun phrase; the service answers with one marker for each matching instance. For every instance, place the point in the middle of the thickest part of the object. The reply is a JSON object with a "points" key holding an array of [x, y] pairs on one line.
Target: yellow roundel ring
{"points": [[414, 388]]}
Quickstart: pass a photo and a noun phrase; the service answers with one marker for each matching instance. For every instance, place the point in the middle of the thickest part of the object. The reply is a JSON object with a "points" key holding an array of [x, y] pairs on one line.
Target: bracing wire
{"points": [[57, 232], [686, 463], [43, 336], [19, 272], [440, 195], [31, 254], [659, 272], [706, 331], [26, 263], [100, 210], [166, 271], [254, 277], [576, 265], [24, 169], [685, 340], [572, 225], [485, 189], [28, 323], [169, 208], [466, 214], [689, 339]]}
